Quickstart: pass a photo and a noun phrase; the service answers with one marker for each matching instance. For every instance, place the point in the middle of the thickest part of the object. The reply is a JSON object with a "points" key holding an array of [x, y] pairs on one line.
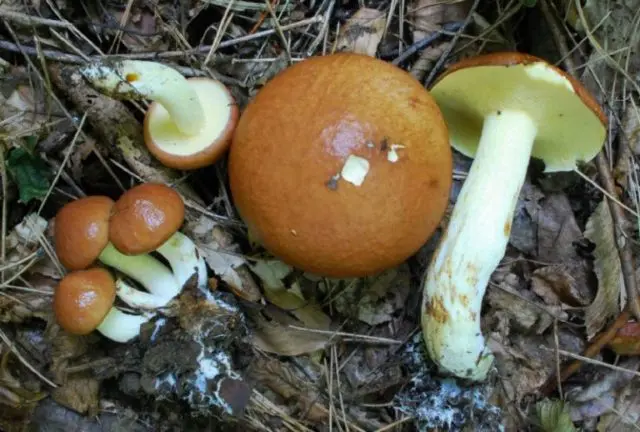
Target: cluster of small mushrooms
{"points": [[121, 235], [341, 166]]}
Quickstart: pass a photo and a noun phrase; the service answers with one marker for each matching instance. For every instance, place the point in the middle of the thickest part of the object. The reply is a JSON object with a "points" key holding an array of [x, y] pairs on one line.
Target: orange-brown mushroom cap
{"points": [[292, 144], [82, 231], [145, 217], [82, 300]]}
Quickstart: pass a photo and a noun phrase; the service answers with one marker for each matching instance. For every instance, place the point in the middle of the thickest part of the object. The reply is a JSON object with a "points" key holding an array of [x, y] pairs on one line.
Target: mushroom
{"points": [[83, 302], [82, 236], [341, 165], [146, 218], [189, 123], [502, 109]]}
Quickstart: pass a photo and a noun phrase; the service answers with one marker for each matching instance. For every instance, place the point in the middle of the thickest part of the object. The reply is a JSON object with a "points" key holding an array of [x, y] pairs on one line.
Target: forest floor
{"points": [[314, 354]]}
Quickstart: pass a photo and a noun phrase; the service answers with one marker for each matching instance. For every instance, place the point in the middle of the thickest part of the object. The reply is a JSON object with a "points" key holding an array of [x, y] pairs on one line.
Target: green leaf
{"points": [[554, 416], [31, 174]]}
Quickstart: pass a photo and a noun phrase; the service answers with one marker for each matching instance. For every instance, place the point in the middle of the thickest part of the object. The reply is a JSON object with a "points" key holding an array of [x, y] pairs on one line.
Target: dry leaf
{"points": [[524, 229], [375, 299], [627, 340], [271, 273], [556, 284], [362, 33], [428, 15], [523, 365], [19, 306], [601, 395], [557, 230], [518, 309], [80, 394], [308, 312], [283, 379], [271, 336], [222, 255], [625, 415], [599, 230]]}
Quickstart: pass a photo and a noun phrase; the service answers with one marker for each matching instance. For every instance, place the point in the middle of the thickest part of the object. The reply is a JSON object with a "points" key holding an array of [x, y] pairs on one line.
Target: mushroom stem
{"points": [[137, 79], [120, 326], [135, 298], [148, 271], [184, 259], [473, 245]]}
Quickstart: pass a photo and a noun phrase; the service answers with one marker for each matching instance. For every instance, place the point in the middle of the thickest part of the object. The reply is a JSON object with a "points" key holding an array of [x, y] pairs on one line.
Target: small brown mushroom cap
{"points": [[82, 300], [82, 231], [144, 217], [341, 165]]}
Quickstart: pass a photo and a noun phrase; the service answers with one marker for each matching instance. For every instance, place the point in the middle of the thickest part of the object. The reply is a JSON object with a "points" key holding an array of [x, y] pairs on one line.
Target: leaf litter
{"points": [[266, 346]]}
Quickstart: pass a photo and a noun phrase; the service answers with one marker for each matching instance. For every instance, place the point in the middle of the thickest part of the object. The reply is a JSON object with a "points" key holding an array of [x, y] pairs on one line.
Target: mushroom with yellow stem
{"points": [[501, 109], [189, 123]]}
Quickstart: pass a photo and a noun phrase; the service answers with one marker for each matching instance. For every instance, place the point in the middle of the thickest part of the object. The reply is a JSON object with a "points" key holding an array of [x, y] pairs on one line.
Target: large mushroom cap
{"points": [[82, 300], [177, 150], [82, 231], [571, 125], [341, 165], [144, 217]]}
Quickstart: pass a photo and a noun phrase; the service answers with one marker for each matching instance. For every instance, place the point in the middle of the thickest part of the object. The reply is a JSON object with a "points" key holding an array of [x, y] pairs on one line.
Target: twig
{"points": [[604, 172], [24, 361], [598, 343], [353, 336], [49, 54], [443, 58], [204, 49], [595, 362], [624, 250], [425, 42], [25, 19]]}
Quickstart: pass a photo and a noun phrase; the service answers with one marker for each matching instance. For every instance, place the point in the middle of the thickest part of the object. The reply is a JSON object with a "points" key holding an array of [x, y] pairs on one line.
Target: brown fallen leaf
{"points": [[524, 230], [624, 415], [513, 308], [362, 33], [627, 340], [79, 393], [222, 255], [608, 270], [610, 391], [524, 364], [558, 230], [285, 381], [373, 299], [140, 30], [428, 15], [18, 306], [272, 334], [557, 285]]}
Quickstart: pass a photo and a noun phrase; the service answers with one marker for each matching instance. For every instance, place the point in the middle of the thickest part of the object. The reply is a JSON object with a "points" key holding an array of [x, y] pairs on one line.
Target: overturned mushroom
{"points": [[501, 109], [190, 122]]}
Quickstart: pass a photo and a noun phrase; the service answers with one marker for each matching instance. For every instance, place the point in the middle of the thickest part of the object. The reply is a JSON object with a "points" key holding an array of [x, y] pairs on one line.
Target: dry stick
{"points": [[624, 250], [204, 49], [435, 70], [626, 257]]}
